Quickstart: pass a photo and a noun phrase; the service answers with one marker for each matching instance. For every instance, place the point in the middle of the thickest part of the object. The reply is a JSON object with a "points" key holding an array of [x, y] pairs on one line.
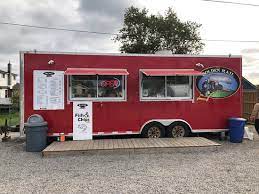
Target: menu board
{"points": [[48, 90]]}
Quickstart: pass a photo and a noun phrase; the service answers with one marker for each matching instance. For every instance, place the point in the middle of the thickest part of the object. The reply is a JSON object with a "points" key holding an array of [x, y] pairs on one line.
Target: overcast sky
{"points": [[219, 21]]}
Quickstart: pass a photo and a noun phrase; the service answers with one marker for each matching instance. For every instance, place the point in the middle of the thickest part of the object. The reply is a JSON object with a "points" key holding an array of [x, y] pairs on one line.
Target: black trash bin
{"points": [[36, 133]]}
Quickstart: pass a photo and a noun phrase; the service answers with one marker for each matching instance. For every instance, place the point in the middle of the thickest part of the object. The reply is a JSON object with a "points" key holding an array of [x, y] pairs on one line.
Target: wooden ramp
{"points": [[94, 146]]}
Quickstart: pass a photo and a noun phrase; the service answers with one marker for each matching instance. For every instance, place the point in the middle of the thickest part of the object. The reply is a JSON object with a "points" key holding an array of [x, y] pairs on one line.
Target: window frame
{"points": [[7, 94], [190, 98], [97, 99]]}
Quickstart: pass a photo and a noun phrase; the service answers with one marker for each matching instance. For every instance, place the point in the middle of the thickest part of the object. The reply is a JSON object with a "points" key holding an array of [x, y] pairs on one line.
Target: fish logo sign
{"points": [[217, 82], [82, 106], [49, 74]]}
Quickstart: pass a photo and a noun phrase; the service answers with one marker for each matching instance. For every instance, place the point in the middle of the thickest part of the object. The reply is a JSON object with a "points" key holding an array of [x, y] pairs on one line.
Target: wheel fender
{"points": [[165, 122]]}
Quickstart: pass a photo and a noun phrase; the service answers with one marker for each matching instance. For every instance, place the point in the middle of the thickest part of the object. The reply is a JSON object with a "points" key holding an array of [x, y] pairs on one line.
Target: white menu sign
{"points": [[82, 120], [48, 90]]}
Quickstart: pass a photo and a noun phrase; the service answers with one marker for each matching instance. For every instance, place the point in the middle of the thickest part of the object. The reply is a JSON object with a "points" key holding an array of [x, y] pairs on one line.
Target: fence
{"points": [[249, 100]]}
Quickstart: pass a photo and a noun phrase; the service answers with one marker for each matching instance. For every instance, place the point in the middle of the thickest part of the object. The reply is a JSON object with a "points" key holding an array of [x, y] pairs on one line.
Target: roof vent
{"points": [[163, 52]]}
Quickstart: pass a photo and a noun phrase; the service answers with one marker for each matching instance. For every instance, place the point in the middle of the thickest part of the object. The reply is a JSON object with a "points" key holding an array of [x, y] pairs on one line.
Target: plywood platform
{"points": [[76, 147]]}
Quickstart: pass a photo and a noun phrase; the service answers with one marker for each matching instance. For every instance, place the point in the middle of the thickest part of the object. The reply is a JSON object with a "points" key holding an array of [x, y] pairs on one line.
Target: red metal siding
{"points": [[130, 115]]}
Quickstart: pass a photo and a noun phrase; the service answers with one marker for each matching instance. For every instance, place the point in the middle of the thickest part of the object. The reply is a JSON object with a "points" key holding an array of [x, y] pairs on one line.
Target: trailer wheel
{"points": [[178, 129], [153, 130]]}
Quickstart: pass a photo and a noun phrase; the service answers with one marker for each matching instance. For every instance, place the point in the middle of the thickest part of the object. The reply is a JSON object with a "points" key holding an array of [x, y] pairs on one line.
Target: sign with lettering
{"points": [[218, 82], [48, 90], [113, 83], [82, 120]]}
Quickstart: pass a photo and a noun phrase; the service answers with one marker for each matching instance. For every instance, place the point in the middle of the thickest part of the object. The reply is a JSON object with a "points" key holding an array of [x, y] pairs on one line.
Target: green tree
{"points": [[15, 99], [147, 33]]}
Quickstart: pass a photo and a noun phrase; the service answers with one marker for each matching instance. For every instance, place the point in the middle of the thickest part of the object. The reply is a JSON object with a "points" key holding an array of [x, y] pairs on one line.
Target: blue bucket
{"points": [[236, 129]]}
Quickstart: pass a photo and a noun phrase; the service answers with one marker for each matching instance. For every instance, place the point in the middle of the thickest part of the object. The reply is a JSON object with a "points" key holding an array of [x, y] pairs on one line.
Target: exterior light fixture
{"points": [[51, 62]]}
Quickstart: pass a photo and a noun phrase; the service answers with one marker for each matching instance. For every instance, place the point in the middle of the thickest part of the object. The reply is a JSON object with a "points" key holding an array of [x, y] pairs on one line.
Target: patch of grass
{"points": [[12, 118], [221, 94]]}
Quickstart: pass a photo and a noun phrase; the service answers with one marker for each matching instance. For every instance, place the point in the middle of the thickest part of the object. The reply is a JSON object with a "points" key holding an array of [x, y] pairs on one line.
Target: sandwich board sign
{"points": [[82, 120]]}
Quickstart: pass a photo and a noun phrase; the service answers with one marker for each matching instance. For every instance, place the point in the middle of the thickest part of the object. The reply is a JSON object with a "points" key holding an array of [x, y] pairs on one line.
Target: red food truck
{"points": [[152, 95]]}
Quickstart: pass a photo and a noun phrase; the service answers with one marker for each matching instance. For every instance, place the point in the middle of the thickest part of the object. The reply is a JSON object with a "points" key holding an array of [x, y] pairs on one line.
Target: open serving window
{"points": [[97, 84], [167, 84]]}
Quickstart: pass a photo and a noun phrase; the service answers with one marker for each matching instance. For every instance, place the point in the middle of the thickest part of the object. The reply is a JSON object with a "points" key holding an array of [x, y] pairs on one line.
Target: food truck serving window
{"points": [[167, 84], [98, 87]]}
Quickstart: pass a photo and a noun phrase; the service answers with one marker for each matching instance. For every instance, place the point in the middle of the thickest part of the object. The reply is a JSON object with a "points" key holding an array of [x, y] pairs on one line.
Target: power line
{"points": [[231, 2], [115, 34], [234, 41], [55, 28]]}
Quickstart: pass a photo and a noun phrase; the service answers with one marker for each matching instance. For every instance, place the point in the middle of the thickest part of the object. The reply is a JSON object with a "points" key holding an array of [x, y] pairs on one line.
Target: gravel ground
{"points": [[230, 168]]}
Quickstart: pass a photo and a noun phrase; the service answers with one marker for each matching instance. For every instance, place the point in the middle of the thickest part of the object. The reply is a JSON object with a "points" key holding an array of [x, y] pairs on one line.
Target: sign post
{"points": [[82, 120]]}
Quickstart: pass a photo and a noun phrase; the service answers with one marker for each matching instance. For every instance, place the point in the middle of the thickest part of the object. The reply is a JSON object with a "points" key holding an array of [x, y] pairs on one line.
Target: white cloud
{"points": [[219, 21]]}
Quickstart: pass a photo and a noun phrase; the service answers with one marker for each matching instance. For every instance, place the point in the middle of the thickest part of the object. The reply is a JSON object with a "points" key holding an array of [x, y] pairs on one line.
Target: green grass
{"points": [[221, 94], [12, 118]]}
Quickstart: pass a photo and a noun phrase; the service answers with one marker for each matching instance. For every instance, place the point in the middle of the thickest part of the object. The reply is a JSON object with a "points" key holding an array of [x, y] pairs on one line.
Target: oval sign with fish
{"points": [[218, 82]]}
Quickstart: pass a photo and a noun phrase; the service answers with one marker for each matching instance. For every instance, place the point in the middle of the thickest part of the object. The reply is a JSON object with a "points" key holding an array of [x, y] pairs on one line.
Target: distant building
{"points": [[247, 85], [7, 81], [249, 97]]}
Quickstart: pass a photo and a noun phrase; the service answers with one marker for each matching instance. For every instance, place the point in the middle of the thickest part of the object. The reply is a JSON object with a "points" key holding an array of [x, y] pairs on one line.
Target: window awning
{"points": [[170, 72], [95, 71]]}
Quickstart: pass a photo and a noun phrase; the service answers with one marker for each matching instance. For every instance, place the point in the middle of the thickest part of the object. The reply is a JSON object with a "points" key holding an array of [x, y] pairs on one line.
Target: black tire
{"points": [[153, 130], [178, 129]]}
